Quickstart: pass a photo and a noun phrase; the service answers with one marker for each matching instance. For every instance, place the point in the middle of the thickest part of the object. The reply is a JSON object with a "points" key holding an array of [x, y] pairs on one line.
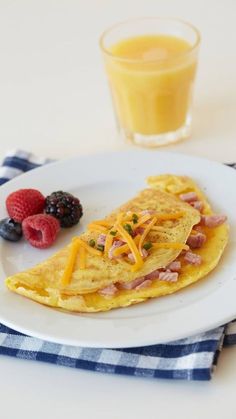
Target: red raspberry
{"points": [[23, 203], [41, 230]]}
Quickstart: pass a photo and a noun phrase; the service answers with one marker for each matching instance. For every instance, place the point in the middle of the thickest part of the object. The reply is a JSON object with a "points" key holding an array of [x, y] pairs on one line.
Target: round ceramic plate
{"points": [[103, 182]]}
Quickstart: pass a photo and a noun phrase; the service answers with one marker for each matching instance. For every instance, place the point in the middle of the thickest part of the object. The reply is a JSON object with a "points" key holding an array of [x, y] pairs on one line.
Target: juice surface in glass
{"points": [[151, 79]]}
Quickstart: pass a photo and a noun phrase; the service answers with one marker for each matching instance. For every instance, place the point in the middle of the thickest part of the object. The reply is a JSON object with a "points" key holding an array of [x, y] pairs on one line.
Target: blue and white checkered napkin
{"points": [[193, 358]]}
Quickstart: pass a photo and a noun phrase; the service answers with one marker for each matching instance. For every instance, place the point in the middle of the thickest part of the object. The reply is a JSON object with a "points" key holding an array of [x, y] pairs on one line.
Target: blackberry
{"points": [[65, 207]]}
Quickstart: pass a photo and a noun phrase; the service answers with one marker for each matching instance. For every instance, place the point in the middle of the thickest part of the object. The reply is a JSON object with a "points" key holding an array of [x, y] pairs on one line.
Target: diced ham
{"points": [[213, 220], [108, 291], [189, 197], [149, 212], [168, 276], [153, 275], [144, 253], [138, 230], [198, 228], [144, 284], [198, 205], [131, 257], [146, 281], [174, 266], [116, 244], [192, 258], [101, 239], [195, 241], [132, 284]]}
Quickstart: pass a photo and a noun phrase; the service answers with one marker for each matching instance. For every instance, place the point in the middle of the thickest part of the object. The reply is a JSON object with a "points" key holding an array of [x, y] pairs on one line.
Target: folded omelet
{"points": [[78, 276]]}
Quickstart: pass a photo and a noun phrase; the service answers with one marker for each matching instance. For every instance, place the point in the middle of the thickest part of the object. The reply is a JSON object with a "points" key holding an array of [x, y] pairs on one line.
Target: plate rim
{"points": [[131, 342]]}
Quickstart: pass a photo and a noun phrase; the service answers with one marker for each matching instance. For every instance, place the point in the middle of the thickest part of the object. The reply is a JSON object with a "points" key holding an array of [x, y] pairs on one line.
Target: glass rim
{"points": [[136, 60]]}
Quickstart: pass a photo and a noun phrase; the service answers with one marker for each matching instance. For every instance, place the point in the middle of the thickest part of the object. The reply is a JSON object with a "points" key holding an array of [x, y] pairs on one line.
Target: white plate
{"points": [[102, 182]]}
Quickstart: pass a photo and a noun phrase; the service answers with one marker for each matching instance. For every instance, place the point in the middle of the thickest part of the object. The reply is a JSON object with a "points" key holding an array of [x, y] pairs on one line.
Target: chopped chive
{"points": [[147, 245], [128, 228], [92, 243], [135, 218], [113, 233], [100, 247]]}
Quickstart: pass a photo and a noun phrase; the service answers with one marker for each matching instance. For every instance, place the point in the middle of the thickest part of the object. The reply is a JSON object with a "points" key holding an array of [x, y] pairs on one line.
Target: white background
{"points": [[54, 101]]}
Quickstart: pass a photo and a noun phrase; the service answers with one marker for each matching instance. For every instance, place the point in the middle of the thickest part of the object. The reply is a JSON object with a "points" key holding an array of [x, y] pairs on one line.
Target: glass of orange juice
{"points": [[151, 66]]}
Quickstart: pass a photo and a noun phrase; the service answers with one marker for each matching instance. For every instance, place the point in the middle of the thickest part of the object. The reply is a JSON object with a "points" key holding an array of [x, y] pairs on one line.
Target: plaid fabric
{"points": [[192, 358], [17, 162]]}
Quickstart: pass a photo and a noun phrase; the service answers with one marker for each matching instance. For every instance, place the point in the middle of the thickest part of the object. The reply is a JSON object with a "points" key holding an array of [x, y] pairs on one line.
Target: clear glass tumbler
{"points": [[151, 66]]}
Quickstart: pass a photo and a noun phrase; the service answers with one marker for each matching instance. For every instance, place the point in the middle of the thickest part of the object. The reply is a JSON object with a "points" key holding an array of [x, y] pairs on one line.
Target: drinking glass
{"points": [[152, 88]]}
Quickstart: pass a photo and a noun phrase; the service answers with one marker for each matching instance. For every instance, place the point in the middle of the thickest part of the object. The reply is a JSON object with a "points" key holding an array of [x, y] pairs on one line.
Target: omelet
{"points": [[83, 278]]}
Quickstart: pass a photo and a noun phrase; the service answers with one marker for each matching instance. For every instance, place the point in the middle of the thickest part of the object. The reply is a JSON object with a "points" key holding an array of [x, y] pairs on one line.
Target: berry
{"points": [[40, 230], [10, 230], [65, 207], [23, 203]]}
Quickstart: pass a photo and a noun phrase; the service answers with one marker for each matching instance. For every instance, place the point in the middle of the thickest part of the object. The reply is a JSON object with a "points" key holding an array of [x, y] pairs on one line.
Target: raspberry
{"points": [[41, 230], [23, 203]]}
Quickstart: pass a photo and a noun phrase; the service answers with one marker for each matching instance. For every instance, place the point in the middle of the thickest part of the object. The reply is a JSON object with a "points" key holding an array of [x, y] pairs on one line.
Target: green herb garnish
{"points": [[135, 218], [113, 233], [128, 228], [147, 245], [100, 247], [92, 243]]}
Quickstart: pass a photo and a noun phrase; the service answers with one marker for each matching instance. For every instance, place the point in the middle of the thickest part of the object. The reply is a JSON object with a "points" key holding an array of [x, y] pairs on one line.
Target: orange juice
{"points": [[151, 79]]}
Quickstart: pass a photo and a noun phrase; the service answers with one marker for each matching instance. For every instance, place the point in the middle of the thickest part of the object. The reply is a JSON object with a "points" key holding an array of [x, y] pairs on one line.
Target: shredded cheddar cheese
{"points": [[142, 220], [108, 243], [82, 257], [66, 277], [119, 218], [80, 248], [161, 229], [145, 233], [89, 248], [125, 247], [132, 245], [170, 216]]}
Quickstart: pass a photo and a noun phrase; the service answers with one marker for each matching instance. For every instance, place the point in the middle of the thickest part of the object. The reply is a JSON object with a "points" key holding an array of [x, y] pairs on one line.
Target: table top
{"points": [[55, 102]]}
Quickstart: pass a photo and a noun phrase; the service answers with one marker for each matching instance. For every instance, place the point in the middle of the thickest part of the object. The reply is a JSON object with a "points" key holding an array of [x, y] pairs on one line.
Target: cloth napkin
{"points": [[193, 358]]}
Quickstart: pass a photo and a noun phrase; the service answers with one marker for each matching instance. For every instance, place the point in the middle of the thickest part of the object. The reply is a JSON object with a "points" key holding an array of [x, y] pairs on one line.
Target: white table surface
{"points": [[54, 101]]}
